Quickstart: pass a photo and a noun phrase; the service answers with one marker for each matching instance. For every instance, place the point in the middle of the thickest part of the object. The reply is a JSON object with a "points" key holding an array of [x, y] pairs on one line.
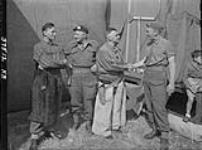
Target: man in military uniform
{"points": [[46, 91], [81, 54], [158, 84]]}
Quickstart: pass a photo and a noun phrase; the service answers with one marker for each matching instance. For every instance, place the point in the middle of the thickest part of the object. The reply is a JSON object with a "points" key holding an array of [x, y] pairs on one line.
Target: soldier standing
{"points": [[158, 84], [81, 56]]}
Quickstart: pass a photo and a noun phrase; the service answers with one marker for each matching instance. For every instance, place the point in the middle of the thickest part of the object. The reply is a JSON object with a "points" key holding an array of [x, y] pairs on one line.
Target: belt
{"points": [[52, 69], [81, 70]]}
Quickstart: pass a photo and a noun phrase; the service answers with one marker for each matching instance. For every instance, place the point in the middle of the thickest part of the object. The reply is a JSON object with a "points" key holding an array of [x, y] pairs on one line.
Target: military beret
{"points": [[81, 28], [196, 53], [155, 25]]}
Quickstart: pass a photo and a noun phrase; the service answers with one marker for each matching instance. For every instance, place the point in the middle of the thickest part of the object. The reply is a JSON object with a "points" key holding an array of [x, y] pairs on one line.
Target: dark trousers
{"points": [[83, 93], [198, 116], [46, 98], [155, 83]]}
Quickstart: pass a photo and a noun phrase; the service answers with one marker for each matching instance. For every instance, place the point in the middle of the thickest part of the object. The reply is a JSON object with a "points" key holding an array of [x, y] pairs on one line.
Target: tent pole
{"points": [[139, 19], [138, 39], [128, 32]]}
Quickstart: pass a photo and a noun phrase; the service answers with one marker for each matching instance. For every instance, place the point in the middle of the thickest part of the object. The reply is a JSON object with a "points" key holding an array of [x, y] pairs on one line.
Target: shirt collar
{"points": [[48, 43], [88, 43]]}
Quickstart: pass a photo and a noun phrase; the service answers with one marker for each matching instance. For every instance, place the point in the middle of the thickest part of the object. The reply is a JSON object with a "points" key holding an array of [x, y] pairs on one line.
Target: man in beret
{"points": [[81, 53], [158, 81]]}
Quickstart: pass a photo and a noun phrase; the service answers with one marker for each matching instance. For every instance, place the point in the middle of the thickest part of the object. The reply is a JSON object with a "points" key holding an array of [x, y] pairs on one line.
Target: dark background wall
{"points": [[21, 38]]}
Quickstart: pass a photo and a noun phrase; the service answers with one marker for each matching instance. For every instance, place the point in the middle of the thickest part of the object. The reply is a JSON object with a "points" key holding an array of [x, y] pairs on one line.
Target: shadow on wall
{"points": [[21, 38]]}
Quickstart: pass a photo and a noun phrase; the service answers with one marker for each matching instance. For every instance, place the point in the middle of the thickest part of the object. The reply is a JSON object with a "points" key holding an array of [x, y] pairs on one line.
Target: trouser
{"points": [[83, 93], [110, 110], [46, 98], [198, 116], [155, 84]]}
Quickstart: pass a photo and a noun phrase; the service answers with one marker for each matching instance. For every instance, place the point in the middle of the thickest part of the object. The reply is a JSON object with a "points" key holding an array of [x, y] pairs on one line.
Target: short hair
{"points": [[47, 26], [196, 53]]}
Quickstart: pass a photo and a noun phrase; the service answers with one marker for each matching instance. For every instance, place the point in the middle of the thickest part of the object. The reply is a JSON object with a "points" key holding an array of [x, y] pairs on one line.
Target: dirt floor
{"points": [[130, 139]]}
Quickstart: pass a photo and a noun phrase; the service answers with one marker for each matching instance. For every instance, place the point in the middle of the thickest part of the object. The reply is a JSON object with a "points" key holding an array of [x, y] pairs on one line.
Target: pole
{"points": [[128, 32], [138, 39]]}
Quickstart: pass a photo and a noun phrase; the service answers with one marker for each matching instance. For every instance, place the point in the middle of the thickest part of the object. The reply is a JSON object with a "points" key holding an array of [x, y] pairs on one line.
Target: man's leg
{"points": [[52, 129], [150, 112], [102, 113], [159, 93], [198, 117], [159, 107], [76, 99], [119, 110], [189, 106], [89, 96]]}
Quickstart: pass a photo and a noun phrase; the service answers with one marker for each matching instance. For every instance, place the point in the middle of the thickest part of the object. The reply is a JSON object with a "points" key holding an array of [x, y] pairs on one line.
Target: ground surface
{"points": [[130, 139]]}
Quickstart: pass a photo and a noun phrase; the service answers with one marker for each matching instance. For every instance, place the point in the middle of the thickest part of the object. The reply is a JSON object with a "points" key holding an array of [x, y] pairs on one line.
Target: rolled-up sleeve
{"points": [[170, 49]]}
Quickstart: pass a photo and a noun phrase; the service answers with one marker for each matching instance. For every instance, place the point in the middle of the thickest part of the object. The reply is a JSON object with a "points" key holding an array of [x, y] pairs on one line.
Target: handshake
{"points": [[135, 67]]}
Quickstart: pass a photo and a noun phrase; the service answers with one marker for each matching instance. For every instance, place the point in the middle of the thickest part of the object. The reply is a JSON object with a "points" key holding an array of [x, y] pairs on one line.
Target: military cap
{"points": [[196, 53], [81, 28], [155, 25]]}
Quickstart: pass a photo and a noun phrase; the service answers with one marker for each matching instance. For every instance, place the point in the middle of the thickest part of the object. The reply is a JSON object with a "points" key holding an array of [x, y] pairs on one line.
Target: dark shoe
{"points": [[152, 134], [117, 130], [34, 144], [57, 134], [186, 119], [47, 135], [164, 144], [109, 137]]}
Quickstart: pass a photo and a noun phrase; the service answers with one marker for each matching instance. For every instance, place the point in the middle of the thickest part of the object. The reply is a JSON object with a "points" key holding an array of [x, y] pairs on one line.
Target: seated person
{"points": [[193, 80]]}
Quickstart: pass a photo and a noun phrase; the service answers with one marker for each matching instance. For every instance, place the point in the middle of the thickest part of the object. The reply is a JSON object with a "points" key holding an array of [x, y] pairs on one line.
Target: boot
{"points": [[154, 133]]}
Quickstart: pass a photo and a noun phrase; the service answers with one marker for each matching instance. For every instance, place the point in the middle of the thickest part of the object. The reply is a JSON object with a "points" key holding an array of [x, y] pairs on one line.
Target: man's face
{"points": [[198, 59], [50, 33], [114, 36], [79, 36], [151, 33]]}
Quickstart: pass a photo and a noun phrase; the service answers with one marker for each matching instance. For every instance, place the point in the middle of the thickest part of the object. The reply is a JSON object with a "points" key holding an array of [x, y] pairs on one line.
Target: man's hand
{"points": [[40, 67], [64, 61], [129, 66], [70, 66], [139, 64], [170, 89]]}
